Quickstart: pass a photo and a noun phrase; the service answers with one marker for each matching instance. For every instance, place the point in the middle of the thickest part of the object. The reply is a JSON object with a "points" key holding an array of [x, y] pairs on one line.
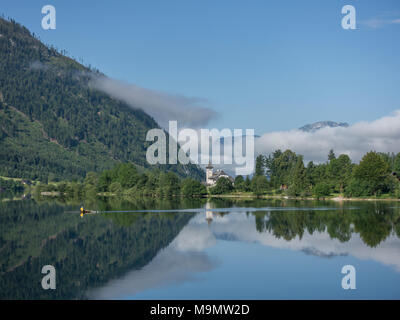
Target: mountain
{"points": [[323, 124], [54, 125]]}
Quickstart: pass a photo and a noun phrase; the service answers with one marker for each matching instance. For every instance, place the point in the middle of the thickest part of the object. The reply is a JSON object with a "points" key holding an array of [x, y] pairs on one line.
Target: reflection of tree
{"points": [[397, 227], [88, 252], [260, 220], [85, 252], [374, 226], [339, 227], [287, 226], [374, 223]]}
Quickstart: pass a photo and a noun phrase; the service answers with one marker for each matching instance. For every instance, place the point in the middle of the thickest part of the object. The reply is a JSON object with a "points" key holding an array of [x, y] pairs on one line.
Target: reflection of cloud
{"points": [[381, 135], [175, 264], [169, 266], [194, 238], [185, 255], [319, 243], [161, 106]]}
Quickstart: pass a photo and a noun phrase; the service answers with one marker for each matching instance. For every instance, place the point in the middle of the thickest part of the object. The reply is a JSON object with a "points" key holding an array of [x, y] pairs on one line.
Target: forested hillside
{"points": [[53, 125]]}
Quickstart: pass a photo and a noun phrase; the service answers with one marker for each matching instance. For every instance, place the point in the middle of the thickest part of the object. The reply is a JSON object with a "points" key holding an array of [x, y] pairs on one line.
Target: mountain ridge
{"points": [[323, 124], [54, 125]]}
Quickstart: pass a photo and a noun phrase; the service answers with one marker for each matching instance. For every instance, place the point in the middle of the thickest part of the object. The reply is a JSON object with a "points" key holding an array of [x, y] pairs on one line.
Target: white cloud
{"points": [[382, 135], [378, 23], [163, 107]]}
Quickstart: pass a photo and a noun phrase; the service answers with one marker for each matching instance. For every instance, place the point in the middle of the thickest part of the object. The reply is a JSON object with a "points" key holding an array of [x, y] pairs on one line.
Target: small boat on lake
{"points": [[84, 211]]}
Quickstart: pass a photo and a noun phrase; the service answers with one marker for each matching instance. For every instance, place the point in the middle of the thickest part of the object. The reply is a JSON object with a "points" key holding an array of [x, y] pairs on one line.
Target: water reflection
{"points": [[124, 255], [307, 233], [209, 213]]}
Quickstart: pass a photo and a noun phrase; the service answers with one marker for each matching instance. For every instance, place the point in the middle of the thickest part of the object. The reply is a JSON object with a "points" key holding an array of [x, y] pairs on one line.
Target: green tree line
{"points": [[281, 173], [377, 175], [125, 180]]}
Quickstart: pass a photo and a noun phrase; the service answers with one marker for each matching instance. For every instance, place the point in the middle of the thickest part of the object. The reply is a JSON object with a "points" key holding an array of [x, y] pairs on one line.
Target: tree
{"points": [[298, 186], [169, 184], [358, 188], [240, 183], [104, 181], [345, 171], [223, 185], [396, 167], [331, 155], [280, 166], [191, 187], [373, 172], [259, 185], [126, 174], [247, 183], [322, 189], [259, 171], [309, 179], [339, 172], [152, 183]]}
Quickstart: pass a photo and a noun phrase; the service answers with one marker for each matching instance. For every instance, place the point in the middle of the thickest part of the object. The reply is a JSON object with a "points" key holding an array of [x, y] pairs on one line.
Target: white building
{"points": [[212, 177]]}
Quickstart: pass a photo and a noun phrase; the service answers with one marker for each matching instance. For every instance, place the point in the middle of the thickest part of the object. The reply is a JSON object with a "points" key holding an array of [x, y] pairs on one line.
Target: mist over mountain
{"points": [[54, 125]]}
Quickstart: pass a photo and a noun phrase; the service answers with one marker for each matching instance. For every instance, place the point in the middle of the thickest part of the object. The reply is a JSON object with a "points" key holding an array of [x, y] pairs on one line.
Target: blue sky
{"points": [[267, 65]]}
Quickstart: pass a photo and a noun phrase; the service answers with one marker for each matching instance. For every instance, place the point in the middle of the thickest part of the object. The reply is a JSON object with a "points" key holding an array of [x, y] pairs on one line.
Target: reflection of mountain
{"points": [[315, 252], [176, 264], [85, 252], [123, 255], [322, 233]]}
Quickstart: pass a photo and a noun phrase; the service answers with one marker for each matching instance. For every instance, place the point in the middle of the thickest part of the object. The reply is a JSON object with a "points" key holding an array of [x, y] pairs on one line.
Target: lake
{"points": [[199, 249]]}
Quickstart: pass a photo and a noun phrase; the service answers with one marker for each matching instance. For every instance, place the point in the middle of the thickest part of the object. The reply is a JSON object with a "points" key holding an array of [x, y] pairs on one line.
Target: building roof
{"points": [[220, 173]]}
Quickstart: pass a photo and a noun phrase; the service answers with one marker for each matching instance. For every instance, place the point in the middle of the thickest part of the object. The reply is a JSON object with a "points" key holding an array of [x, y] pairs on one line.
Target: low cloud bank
{"points": [[382, 135], [163, 107]]}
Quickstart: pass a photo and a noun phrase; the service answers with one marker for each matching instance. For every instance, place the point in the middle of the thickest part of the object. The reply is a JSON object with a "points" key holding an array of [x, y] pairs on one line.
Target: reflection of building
{"points": [[209, 214], [212, 177], [209, 217]]}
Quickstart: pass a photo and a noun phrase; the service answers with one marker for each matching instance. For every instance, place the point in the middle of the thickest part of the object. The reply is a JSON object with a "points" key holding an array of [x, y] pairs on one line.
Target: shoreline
{"points": [[336, 199], [247, 196]]}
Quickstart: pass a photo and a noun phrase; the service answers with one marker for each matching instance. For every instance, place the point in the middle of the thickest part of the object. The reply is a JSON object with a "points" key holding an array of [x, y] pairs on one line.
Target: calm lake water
{"points": [[259, 249]]}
